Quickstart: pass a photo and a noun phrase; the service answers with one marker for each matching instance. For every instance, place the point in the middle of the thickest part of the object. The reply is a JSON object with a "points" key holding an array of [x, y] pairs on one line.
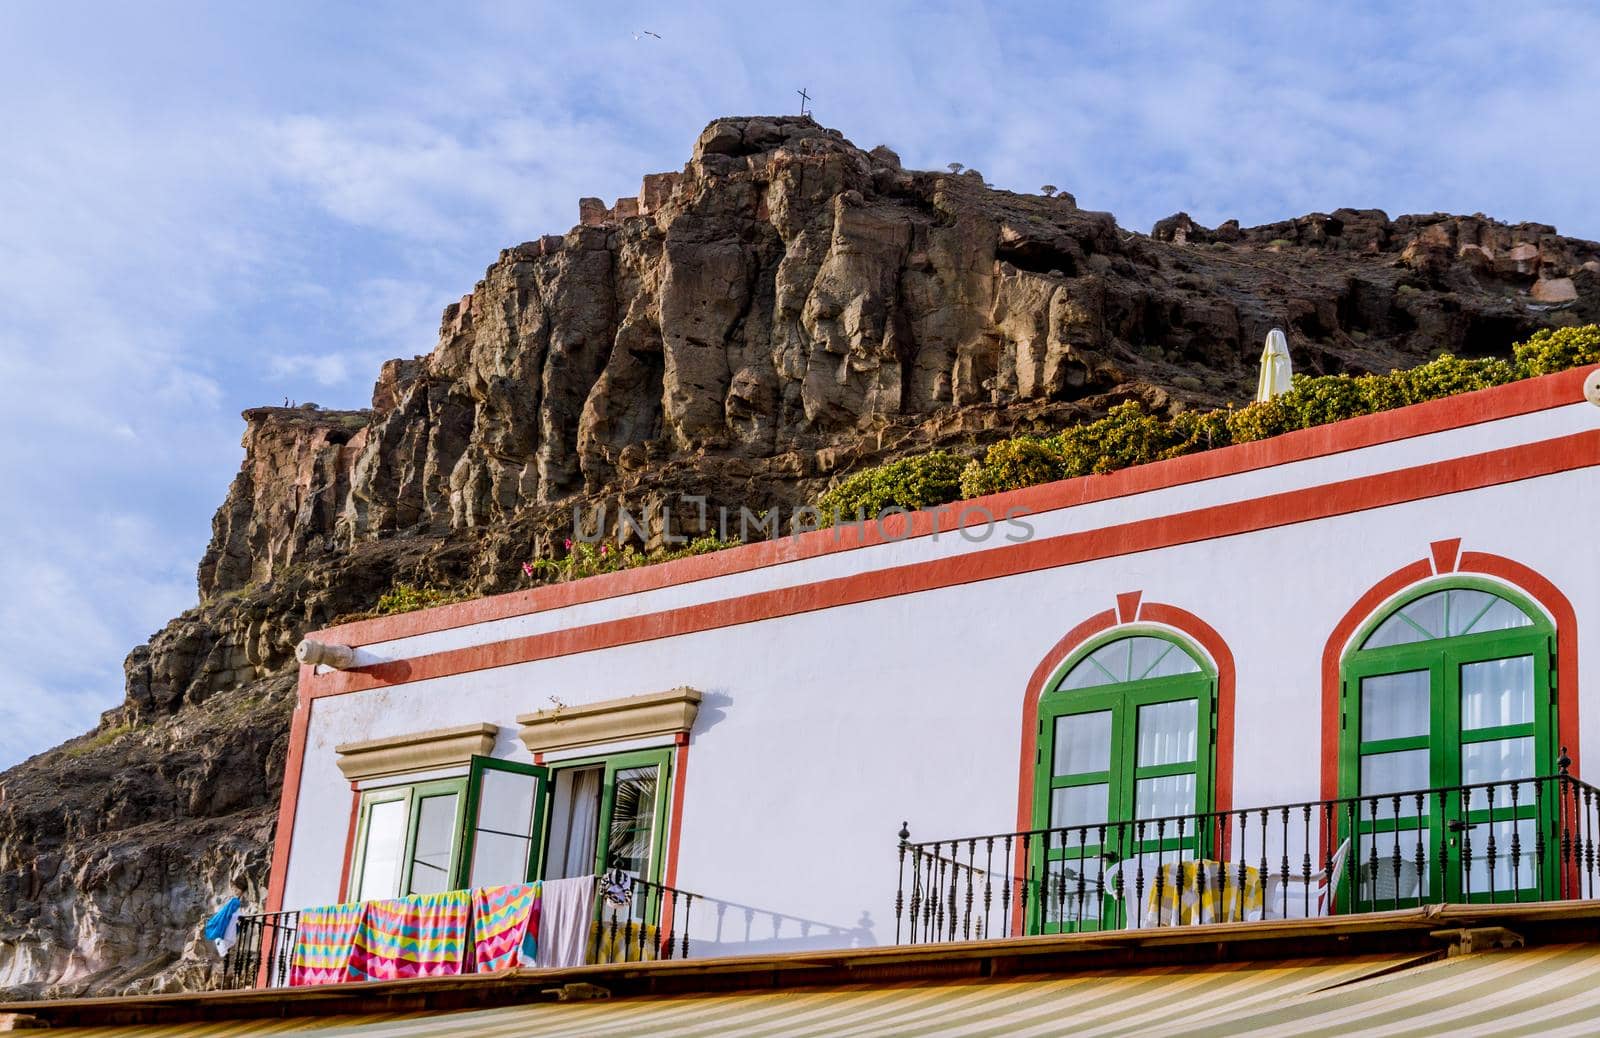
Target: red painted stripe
{"points": [[1353, 495], [1517, 398]]}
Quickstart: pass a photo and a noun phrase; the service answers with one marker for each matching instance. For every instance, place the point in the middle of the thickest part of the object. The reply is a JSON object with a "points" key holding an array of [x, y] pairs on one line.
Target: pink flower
{"points": [[527, 569], [569, 543], [605, 548]]}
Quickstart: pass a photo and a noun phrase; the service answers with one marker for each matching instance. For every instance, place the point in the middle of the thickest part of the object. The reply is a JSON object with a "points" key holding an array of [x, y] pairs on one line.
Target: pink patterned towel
{"points": [[323, 941], [424, 935], [505, 926]]}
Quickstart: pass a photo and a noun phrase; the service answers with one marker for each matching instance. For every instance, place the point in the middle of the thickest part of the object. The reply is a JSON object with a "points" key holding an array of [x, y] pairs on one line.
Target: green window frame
{"points": [[478, 833], [416, 797], [615, 764], [1441, 827], [1080, 859]]}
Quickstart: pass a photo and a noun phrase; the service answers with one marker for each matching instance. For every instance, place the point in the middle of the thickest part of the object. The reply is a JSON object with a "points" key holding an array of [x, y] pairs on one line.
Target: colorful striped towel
{"points": [[424, 935], [505, 926], [323, 941]]}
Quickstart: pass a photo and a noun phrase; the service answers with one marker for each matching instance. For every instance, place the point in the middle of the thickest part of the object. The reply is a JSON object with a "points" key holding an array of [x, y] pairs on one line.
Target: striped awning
{"points": [[1550, 992]]}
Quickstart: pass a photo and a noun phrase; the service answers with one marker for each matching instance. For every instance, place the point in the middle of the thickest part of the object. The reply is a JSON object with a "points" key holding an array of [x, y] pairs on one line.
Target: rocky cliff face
{"points": [[786, 308]]}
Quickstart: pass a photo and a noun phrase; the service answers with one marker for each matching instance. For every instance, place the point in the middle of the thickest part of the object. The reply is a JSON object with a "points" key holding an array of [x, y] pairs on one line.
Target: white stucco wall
{"points": [[821, 731]]}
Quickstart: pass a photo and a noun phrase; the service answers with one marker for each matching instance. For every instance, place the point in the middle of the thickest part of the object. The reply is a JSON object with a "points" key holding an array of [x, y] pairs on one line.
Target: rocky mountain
{"points": [[786, 308]]}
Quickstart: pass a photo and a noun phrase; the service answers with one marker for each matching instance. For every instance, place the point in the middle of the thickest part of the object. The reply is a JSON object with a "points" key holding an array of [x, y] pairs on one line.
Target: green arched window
{"points": [[1450, 686], [1126, 731]]}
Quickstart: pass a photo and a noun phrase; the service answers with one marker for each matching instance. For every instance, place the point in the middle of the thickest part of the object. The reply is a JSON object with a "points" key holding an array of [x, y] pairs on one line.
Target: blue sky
{"points": [[209, 206]]}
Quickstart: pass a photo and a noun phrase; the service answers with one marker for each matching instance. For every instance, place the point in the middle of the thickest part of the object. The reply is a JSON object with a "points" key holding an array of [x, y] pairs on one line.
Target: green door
{"points": [[1448, 701], [1124, 768]]}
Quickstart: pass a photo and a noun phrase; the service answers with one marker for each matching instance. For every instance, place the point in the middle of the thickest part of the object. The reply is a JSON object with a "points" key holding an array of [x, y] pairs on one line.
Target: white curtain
{"points": [[583, 823]]}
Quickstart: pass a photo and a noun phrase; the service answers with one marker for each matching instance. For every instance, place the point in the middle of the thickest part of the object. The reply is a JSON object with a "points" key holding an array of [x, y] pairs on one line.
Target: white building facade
{"points": [[1401, 602]]}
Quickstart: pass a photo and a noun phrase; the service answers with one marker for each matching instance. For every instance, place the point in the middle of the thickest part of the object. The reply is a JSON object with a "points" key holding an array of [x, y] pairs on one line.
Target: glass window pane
{"points": [[498, 859], [1510, 870], [1497, 692], [1393, 773], [1078, 805], [1168, 732], [385, 843], [1428, 613], [505, 802], [1385, 880], [633, 819], [1164, 797], [436, 830], [1498, 760], [1083, 743], [1395, 706], [1393, 631], [1136, 658], [1501, 616]]}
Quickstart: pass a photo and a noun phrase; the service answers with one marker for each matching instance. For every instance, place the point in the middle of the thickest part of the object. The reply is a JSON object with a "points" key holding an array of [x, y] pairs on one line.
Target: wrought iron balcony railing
{"points": [[632, 920], [1530, 839]]}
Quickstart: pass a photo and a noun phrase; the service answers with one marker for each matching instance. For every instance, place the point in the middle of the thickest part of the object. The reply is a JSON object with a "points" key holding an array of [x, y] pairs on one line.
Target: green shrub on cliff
{"points": [[1128, 435], [920, 481]]}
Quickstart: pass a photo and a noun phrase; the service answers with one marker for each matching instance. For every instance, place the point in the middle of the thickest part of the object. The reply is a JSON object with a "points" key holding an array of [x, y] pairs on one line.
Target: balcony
{"points": [[626, 923], [1523, 840]]}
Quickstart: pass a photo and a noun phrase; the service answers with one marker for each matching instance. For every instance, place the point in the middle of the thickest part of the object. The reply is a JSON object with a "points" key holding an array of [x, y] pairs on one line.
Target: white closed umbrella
{"points": [[1276, 369]]}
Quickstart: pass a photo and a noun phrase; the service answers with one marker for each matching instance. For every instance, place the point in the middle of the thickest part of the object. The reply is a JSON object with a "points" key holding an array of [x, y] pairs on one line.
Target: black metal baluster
{"points": [[1244, 870], [955, 885], [966, 913], [1516, 843], [1538, 838], [1444, 845], [1161, 872], [1283, 875], [1328, 837], [1565, 847], [938, 911], [1352, 823], [1138, 857], [688, 916], [1083, 865], [1588, 841], [672, 925], [1422, 858], [1305, 864], [1027, 877], [988, 886], [1490, 853], [900, 886], [1372, 864], [1100, 885], [1005, 891], [1262, 870], [916, 893], [1395, 855], [1466, 841], [1056, 880]]}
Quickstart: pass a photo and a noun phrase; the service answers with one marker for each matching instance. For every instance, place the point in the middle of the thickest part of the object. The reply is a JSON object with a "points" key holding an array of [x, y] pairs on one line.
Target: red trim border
{"points": [[1525, 579]]}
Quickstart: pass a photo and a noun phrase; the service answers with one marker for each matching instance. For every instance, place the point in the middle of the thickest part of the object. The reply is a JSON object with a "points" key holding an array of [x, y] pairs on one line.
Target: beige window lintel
{"points": [[610, 720], [417, 751]]}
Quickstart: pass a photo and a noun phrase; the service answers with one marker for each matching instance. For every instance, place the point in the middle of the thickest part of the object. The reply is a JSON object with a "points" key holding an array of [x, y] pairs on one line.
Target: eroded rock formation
{"points": [[786, 308]]}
